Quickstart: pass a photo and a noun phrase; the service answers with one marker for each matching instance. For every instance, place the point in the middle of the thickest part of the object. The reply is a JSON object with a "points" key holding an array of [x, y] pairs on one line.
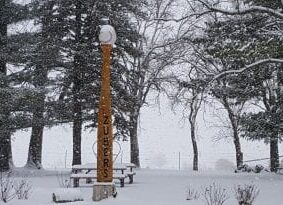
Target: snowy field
{"points": [[160, 187], [159, 182]]}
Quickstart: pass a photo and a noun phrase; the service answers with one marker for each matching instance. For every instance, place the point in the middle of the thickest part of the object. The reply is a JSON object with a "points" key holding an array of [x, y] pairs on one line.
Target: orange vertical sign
{"points": [[104, 132]]}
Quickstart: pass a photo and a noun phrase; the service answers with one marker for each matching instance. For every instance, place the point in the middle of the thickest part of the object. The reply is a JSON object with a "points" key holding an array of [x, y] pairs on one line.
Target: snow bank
{"points": [[61, 195]]}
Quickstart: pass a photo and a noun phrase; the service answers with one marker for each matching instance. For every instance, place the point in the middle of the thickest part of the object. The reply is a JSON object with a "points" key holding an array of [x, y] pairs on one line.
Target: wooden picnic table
{"points": [[131, 166], [93, 166], [88, 175]]}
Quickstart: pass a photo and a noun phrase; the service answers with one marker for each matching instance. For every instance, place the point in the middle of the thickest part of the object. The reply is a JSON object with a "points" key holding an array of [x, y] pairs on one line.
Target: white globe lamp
{"points": [[107, 35]]}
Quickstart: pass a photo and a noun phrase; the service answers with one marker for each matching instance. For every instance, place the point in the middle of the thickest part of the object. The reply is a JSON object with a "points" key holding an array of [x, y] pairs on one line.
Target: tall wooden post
{"points": [[105, 187], [104, 133]]}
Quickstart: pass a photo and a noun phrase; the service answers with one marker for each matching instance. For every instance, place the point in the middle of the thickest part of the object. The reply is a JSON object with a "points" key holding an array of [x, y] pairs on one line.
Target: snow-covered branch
{"points": [[196, 15], [240, 11], [260, 62], [210, 8]]}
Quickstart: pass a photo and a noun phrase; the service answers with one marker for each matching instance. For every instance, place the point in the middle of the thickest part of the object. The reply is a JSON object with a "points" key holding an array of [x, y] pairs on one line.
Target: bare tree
{"points": [[190, 96], [159, 45], [234, 110]]}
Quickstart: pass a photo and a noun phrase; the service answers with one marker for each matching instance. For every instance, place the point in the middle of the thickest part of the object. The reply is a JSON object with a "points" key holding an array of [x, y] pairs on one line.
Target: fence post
{"points": [[179, 160], [66, 153]]}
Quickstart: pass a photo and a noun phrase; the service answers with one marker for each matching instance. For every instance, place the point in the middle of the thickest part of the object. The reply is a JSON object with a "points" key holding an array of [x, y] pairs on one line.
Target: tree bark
{"points": [[134, 148], [77, 113], [77, 132], [194, 108], [35, 145], [239, 154], [5, 133], [236, 138], [77, 80], [274, 154], [195, 148], [5, 150]]}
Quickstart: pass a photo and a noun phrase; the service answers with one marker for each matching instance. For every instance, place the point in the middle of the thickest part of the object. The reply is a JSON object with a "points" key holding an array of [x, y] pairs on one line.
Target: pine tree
{"points": [[5, 135], [9, 13], [36, 54], [82, 78], [271, 86], [241, 40], [41, 63]]}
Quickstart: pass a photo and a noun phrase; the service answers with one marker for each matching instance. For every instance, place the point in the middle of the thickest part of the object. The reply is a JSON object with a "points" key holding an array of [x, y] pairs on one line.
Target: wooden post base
{"points": [[103, 190]]}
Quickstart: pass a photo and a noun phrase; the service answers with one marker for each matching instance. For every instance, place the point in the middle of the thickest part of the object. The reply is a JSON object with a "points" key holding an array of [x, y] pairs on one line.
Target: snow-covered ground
{"points": [[162, 138], [159, 187]]}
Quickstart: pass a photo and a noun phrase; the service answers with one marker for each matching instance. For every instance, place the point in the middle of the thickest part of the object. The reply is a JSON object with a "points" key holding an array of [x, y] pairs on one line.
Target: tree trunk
{"points": [[77, 115], [239, 154], [5, 134], [77, 133], [135, 153], [77, 80], [274, 154], [35, 148], [236, 138], [194, 108], [194, 143], [35, 145], [5, 150]]}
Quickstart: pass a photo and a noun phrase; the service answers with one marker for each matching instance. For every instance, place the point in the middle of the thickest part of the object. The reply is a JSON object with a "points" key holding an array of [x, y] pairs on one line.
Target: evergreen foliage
{"points": [[57, 75], [10, 97], [238, 41]]}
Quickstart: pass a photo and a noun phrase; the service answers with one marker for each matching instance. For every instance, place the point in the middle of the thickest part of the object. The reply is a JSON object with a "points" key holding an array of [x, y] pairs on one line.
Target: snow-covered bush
{"points": [[258, 168], [7, 191], [246, 194], [244, 168], [10, 188], [215, 195], [22, 189], [192, 194]]}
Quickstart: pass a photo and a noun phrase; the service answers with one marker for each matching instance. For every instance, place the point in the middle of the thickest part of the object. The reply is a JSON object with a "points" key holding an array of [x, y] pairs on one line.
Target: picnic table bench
{"points": [[88, 172], [89, 176]]}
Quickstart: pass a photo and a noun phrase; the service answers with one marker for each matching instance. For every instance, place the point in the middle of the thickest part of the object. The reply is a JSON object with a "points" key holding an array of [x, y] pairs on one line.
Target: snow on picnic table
{"points": [[162, 187]]}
